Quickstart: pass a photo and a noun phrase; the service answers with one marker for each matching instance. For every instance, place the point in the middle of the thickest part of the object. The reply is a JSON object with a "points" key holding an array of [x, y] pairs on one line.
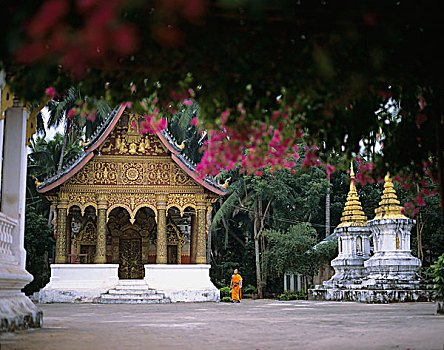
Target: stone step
{"points": [[132, 301], [134, 287], [133, 291], [132, 282], [133, 296]]}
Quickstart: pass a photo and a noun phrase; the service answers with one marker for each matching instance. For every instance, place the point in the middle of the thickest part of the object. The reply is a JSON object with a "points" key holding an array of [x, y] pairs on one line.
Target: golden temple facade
{"points": [[131, 199]]}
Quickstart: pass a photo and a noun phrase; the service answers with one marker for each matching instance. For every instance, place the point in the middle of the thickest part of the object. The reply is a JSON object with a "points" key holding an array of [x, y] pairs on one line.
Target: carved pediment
{"points": [[127, 140]]}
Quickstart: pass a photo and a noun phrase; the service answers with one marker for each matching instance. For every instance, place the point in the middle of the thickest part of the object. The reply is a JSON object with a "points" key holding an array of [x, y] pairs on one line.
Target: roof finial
{"points": [[182, 145], [225, 184], [353, 214], [37, 182]]}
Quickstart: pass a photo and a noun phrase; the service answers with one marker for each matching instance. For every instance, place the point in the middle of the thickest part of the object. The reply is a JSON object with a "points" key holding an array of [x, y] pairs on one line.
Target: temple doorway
{"points": [[172, 254], [130, 240], [130, 259]]}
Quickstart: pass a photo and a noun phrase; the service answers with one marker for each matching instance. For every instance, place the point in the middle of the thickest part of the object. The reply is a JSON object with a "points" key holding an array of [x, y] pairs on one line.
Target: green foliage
{"points": [[249, 289], [180, 126], [226, 300], [225, 292], [291, 250], [437, 272], [291, 295], [39, 246]]}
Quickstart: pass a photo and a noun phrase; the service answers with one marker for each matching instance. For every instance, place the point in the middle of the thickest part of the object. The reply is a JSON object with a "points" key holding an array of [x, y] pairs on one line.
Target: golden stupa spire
{"points": [[353, 214], [389, 207]]}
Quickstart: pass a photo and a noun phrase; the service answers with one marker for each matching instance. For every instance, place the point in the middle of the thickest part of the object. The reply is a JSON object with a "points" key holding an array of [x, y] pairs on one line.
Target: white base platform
{"points": [[182, 283], [72, 283]]}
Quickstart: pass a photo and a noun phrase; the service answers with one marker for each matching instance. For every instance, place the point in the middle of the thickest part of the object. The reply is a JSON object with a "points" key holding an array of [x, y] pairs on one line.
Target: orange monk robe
{"points": [[236, 285]]}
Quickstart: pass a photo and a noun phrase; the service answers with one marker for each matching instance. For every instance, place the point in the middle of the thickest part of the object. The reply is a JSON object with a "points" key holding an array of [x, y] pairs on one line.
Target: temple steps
{"points": [[132, 292]]}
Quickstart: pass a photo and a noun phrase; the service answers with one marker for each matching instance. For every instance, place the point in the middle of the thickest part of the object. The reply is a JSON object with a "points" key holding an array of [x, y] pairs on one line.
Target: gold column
{"points": [[201, 251], [161, 247], [102, 206], [193, 239], [62, 208]]}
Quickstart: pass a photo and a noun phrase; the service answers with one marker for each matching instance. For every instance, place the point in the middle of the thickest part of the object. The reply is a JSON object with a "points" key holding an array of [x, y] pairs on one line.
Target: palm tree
{"points": [[180, 126], [43, 161], [75, 127]]}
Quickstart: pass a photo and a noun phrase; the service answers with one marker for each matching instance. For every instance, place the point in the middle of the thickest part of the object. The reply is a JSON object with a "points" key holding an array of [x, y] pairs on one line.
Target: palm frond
{"points": [[225, 210]]}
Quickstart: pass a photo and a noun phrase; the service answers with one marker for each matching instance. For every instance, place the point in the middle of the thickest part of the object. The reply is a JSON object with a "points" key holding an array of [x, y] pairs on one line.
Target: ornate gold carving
{"points": [[201, 239], [7, 101], [101, 237], [82, 200], [130, 259], [126, 139], [181, 201], [121, 172], [61, 235], [161, 247]]}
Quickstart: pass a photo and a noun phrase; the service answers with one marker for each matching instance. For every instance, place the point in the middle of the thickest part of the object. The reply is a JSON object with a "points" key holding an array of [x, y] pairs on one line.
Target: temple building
{"points": [[131, 220]]}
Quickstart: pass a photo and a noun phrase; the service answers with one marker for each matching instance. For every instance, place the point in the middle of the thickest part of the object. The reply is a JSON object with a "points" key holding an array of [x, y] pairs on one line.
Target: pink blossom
{"points": [[188, 102], [50, 92], [71, 113]]}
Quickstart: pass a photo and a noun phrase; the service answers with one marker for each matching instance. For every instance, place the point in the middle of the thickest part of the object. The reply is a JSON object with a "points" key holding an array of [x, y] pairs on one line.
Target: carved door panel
{"points": [[172, 254], [130, 264]]}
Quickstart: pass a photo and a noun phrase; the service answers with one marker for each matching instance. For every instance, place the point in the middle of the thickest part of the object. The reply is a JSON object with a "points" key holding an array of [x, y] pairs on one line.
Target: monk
{"points": [[236, 285]]}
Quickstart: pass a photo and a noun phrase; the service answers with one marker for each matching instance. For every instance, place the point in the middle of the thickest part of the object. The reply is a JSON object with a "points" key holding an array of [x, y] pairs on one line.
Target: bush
{"points": [[249, 289], [290, 295], [226, 300], [437, 272], [225, 292]]}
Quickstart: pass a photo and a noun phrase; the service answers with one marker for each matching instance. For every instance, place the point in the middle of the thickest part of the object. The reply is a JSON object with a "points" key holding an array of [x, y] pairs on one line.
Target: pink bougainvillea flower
{"points": [[71, 113], [50, 92]]}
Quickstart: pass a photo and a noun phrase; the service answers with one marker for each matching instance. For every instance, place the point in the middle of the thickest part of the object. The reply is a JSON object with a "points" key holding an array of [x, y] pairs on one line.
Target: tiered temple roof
{"points": [[99, 137]]}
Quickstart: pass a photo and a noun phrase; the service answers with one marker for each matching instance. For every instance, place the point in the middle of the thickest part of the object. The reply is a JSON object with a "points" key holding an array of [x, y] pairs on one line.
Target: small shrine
{"points": [[353, 241], [391, 273], [130, 210]]}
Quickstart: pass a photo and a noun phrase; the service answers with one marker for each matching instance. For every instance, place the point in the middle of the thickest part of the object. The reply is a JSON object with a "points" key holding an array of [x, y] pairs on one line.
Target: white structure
{"points": [[294, 282], [390, 275], [79, 282], [392, 259], [100, 283], [353, 241], [16, 310]]}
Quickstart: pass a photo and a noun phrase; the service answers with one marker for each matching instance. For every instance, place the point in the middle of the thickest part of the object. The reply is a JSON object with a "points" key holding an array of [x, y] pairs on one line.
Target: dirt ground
{"points": [[252, 324]]}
